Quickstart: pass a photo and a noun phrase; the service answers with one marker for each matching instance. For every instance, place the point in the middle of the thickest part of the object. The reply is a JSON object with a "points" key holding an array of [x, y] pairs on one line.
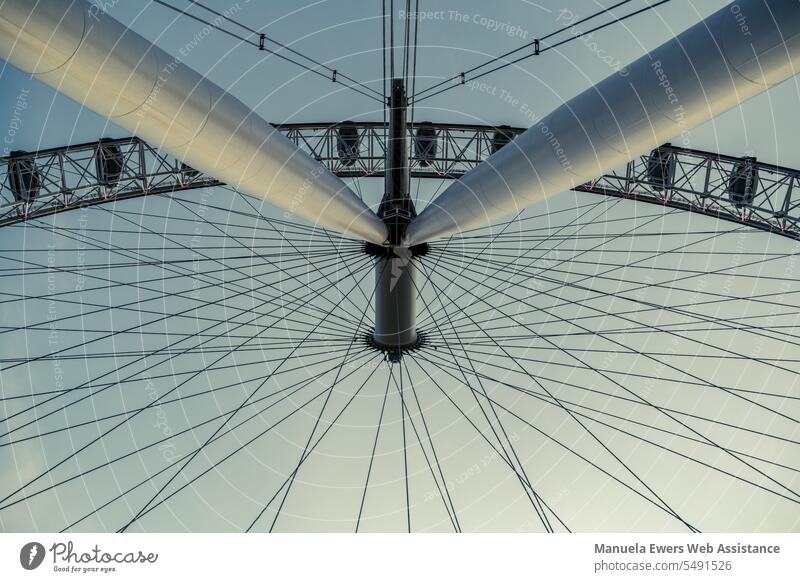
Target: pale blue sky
{"points": [[346, 34]]}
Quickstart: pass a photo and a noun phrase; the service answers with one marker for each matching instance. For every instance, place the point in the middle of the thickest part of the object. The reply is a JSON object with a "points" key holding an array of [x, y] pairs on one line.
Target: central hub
{"points": [[390, 252], [395, 354], [395, 271], [395, 300]]}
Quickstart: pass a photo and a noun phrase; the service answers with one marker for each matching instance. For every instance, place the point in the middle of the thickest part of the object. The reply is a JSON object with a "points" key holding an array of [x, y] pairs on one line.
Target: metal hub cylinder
{"points": [[395, 300], [395, 272]]}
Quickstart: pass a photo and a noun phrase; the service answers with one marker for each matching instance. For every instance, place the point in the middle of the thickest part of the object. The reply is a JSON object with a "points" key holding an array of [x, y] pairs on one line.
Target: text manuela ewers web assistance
{"points": [[706, 548]]}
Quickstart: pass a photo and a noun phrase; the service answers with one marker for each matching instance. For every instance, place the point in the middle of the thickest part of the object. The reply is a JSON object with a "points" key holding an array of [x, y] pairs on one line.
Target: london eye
{"points": [[403, 317]]}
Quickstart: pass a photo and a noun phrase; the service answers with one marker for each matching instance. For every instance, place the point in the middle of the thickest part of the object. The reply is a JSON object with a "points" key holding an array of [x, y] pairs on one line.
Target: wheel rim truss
{"points": [[59, 179]]}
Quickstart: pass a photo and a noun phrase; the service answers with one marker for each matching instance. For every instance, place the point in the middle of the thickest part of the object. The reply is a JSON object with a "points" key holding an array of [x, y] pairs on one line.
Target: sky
{"points": [[348, 36], [591, 492]]}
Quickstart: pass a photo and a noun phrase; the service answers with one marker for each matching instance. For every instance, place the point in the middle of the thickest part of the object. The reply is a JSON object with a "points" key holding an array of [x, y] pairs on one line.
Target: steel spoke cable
{"points": [[415, 357], [330, 239], [579, 217], [310, 242], [296, 387], [296, 229], [262, 282], [224, 424], [256, 44], [612, 396], [626, 373], [545, 398], [701, 273], [537, 500], [505, 226], [525, 46], [660, 308], [662, 326], [754, 298], [309, 448], [178, 400], [246, 291], [194, 275], [688, 457], [140, 310], [470, 233], [256, 254], [525, 236], [407, 411], [508, 267], [666, 413], [488, 244], [170, 375], [399, 387], [419, 356], [684, 326], [519, 472], [613, 238], [582, 425], [138, 265], [117, 369], [267, 342], [452, 509], [598, 263], [624, 347], [463, 80], [372, 454], [525, 344], [656, 235], [306, 452], [227, 457]]}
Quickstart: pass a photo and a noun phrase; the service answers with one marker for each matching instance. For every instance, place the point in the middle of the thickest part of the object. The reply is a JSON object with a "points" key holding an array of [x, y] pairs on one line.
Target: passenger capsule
{"points": [[109, 163], [743, 182], [501, 137], [188, 172], [425, 143], [25, 179], [347, 142], [661, 169]]}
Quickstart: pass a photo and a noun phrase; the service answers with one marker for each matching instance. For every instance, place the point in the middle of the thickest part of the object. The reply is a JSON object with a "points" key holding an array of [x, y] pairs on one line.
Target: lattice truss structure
{"points": [[741, 189]]}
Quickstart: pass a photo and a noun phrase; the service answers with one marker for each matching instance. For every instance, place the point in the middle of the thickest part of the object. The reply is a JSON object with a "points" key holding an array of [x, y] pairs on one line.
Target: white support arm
{"points": [[85, 54], [708, 69]]}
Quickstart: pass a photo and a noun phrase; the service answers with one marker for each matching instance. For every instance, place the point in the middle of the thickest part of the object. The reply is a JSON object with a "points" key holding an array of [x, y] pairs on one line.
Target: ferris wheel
{"points": [[217, 325]]}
